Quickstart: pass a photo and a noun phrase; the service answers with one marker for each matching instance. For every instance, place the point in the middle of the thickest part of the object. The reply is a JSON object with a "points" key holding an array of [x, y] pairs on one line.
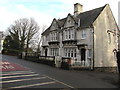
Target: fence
{"points": [[50, 60], [63, 62]]}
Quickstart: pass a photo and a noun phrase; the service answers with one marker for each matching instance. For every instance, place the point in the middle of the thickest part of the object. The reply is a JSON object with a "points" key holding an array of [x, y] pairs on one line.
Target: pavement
{"points": [[36, 75]]}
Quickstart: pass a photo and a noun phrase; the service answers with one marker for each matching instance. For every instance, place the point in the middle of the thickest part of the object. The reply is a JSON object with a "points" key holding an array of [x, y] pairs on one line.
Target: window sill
{"points": [[83, 38]]}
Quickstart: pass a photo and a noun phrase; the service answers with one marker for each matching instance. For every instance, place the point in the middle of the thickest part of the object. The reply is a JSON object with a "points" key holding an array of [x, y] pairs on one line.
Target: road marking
{"points": [[21, 80], [17, 73], [24, 86], [18, 76], [59, 81]]}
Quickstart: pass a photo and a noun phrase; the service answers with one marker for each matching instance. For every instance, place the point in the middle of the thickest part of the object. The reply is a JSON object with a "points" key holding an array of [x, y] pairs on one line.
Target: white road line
{"points": [[10, 81], [18, 73], [59, 82], [15, 72], [18, 76], [24, 86]]}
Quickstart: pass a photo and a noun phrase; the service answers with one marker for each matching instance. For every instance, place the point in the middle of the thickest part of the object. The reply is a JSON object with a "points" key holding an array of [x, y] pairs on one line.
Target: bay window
{"points": [[70, 52], [53, 36], [54, 51], [69, 34]]}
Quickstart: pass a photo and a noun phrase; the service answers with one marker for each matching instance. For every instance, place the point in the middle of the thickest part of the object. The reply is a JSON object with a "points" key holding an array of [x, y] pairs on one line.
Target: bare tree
{"points": [[25, 29], [32, 30], [44, 27]]}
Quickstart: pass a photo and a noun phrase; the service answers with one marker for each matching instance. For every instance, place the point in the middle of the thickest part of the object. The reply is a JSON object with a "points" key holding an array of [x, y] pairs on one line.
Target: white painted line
{"points": [[15, 72], [18, 73], [24, 86], [18, 76], [10, 81], [59, 82]]}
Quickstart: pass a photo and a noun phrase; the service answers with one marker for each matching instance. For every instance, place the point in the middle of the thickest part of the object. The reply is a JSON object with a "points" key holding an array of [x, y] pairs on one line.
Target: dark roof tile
{"points": [[87, 18]]}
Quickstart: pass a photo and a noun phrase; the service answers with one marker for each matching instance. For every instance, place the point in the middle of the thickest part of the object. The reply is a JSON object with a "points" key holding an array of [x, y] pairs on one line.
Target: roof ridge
{"points": [[94, 9]]}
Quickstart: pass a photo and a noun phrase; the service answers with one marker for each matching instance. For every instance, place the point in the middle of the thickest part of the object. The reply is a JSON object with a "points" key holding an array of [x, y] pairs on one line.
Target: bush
{"points": [[10, 52]]}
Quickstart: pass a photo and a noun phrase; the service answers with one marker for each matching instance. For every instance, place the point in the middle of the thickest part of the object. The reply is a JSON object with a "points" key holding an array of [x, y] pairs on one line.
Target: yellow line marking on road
{"points": [[22, 80], [59, 82], [24, 86], [18, 76], [18, 73]]}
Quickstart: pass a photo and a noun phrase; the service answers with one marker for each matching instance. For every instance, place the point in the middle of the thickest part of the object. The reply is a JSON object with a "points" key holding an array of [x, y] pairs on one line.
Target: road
{"points": [[38, 75]]}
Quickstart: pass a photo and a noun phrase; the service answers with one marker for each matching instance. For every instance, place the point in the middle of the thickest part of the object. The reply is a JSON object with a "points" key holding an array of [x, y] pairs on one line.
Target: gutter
{"points": [[93, 63]]}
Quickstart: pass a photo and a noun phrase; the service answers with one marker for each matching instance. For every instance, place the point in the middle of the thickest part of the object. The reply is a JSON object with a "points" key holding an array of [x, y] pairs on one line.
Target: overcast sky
{"points": [[43, 11]]}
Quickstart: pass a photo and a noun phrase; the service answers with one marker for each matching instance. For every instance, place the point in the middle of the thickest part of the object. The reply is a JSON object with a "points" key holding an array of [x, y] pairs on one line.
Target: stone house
{"points": [[88, 38]]}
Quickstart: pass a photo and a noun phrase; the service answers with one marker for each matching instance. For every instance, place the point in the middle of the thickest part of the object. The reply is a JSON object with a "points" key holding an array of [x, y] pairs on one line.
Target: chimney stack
{"points": [[78, 8]]}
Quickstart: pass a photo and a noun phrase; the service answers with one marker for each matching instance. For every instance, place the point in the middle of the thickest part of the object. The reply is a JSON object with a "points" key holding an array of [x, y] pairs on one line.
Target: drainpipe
{"points": [[93, 49]]}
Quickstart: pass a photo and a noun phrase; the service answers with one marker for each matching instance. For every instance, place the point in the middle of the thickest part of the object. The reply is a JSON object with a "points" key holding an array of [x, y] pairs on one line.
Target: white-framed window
{"points": [[83, 36], [54, 36], [54, 51], [70, 52], [69, 34]]}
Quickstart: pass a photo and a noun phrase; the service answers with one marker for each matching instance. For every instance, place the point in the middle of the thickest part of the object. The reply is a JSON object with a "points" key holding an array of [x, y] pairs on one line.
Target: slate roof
{"points": [[61, 22], [46, 31], [86, 18]]}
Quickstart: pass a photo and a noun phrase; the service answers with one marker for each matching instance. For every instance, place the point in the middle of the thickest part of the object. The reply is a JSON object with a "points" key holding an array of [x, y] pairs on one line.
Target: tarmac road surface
{"points": [[35, 75]]}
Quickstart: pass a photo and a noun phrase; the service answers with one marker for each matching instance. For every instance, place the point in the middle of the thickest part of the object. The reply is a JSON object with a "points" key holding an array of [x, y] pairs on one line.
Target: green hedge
{"points": [[10, 52]]}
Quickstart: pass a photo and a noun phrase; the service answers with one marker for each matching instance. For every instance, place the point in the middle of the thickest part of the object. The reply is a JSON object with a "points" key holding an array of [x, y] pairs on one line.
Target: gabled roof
{"points": [[87, 18], [46, 31], [61, 22]]}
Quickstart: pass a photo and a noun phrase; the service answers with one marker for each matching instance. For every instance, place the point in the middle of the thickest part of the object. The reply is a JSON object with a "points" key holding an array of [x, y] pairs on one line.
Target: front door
{"points": [[83, 54], [46, 52]]}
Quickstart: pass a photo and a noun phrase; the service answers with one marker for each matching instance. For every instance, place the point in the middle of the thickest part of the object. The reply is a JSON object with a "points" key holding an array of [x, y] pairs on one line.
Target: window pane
{"points": [[75, 52], [72, 33], [71, 52], [69, 34], [89, 53], [68, 53], [83, 34]]}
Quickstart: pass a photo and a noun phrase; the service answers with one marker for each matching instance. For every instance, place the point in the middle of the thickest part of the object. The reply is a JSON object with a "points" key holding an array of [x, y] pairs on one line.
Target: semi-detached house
{"points": [[88, 38]]}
